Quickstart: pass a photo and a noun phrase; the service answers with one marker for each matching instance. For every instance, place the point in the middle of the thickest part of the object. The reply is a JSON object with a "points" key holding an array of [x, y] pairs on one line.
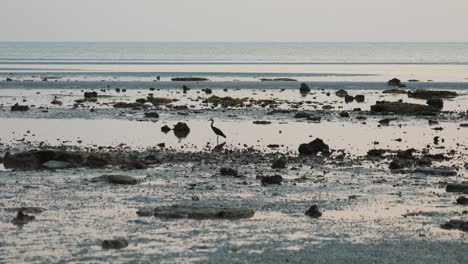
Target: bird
{"points": [[217, 131]]}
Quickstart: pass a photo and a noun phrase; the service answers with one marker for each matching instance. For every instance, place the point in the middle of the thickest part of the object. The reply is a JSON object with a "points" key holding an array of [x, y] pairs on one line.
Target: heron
{"points": [[217, 131]]}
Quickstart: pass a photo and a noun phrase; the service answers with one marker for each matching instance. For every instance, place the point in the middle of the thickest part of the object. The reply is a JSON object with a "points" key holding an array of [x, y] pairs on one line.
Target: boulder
{"points": [[462, 200], [181, 130], [435, 102], [360, 98], [117, 179], [228, 172], [429, 94], [395, 91], [90, 94], [202, 212], [114, 244], [272, 180], [314, 147], [151, 115], [344, 114], [304, 88], [22, 219], [437, 171], [19, 108], [301, 115], [403, 108], [279, 164], [456, 224], [313, 212], [207, 91], [457, 187], [165, 129], [348, 98], [395, 82]]}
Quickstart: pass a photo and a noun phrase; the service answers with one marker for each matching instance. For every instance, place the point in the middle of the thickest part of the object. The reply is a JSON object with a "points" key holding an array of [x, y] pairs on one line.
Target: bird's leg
{"points": [[217, 140]]}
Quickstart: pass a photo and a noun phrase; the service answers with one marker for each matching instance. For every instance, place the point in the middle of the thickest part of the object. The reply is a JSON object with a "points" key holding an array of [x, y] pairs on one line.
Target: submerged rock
{"points": [[403, 108], [313, 212], [457, 187], [117, 179], [202, 212], [19, 108], [114, 244], [314, 147], [430, 94]]}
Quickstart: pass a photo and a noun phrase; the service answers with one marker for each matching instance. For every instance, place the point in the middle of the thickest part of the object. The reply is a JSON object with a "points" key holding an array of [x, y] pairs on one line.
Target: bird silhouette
{"points": [[217, 131]]}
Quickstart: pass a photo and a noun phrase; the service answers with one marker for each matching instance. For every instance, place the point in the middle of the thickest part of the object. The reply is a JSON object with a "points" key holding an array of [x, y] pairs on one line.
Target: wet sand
{"points": [[369, 212]]}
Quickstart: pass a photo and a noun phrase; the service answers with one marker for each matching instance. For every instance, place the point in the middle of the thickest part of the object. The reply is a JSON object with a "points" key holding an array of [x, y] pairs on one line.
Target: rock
{"points": [[304, 88], [228, 172], [9, 79], [279, 164], [22, 219], [90, 94], [344, 114], [19, 108], [456, 224], [403, 108], [27, 210], [114, 244], [314, 118], [313, 212], [134, 165], [261, 122], [431, 94], [360, 98], [395, 82], [202, 212], [376, 152], [462, 200], [95, 161], [433, 122], [463, 125], [386, 121], [395, 91], [436, 171], [278, 80], [181, 130], [272, 180], [145, 212], [301, 115], [348, 98], [165, 129], [457, 187], [56, 102], [314, 147], [207, 91], [116, 179], [189, 79], [341, 93], [435, 102], [151, 115], [34, 160], [128, 105], [157, 101], [56, 164]]}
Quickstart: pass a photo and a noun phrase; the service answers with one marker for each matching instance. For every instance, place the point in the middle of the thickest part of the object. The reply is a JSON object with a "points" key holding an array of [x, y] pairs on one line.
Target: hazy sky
{"points": [[234, 20]]}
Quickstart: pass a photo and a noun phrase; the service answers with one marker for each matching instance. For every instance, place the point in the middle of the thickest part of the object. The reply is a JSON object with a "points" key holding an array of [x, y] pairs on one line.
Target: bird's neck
{"points": [[212, 123]]}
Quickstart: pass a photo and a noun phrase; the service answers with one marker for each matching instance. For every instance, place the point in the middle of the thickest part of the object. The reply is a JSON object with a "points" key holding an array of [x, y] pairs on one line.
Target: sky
{"points": [[235, 20]]}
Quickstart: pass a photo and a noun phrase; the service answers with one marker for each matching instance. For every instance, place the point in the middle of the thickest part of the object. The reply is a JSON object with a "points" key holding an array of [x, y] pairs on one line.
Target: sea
{"points": [[139, 65]]}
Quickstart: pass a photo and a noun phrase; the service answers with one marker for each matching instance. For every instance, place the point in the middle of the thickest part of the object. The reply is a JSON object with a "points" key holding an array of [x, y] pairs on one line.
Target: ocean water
{"points": [[232, 65]]}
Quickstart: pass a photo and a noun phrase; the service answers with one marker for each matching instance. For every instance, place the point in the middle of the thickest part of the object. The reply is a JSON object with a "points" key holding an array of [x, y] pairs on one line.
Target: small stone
{"points": [[313, 212], [272, 180]]}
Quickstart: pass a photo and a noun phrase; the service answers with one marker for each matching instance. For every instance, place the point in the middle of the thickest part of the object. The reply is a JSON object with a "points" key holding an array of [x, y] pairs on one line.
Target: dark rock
{"points": [[279, 164], [395, 91], [314, 147], [207, 91], [8, 79], [90, 94], [117, 179], [456, 224], [189, 79], [128, 105], [435, 102], [301, 115], [462, 200], [360, 98], [151, 115], [457, 187], [313, 212], [228, 172], [56, 102], [430, 94], [403, 108], [376, 152], [314, 118], [344, 114], [463, 125], [278, 80], [202, 212], [348, 98], [272, 180], [165, 129], [22, 219], [433, 122], [436, 171], [181, 130], [114, 244], [304, 88], [19, 108], [134, 165], [341, 93], [395, 82], [145, 212], [261, 122]]}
